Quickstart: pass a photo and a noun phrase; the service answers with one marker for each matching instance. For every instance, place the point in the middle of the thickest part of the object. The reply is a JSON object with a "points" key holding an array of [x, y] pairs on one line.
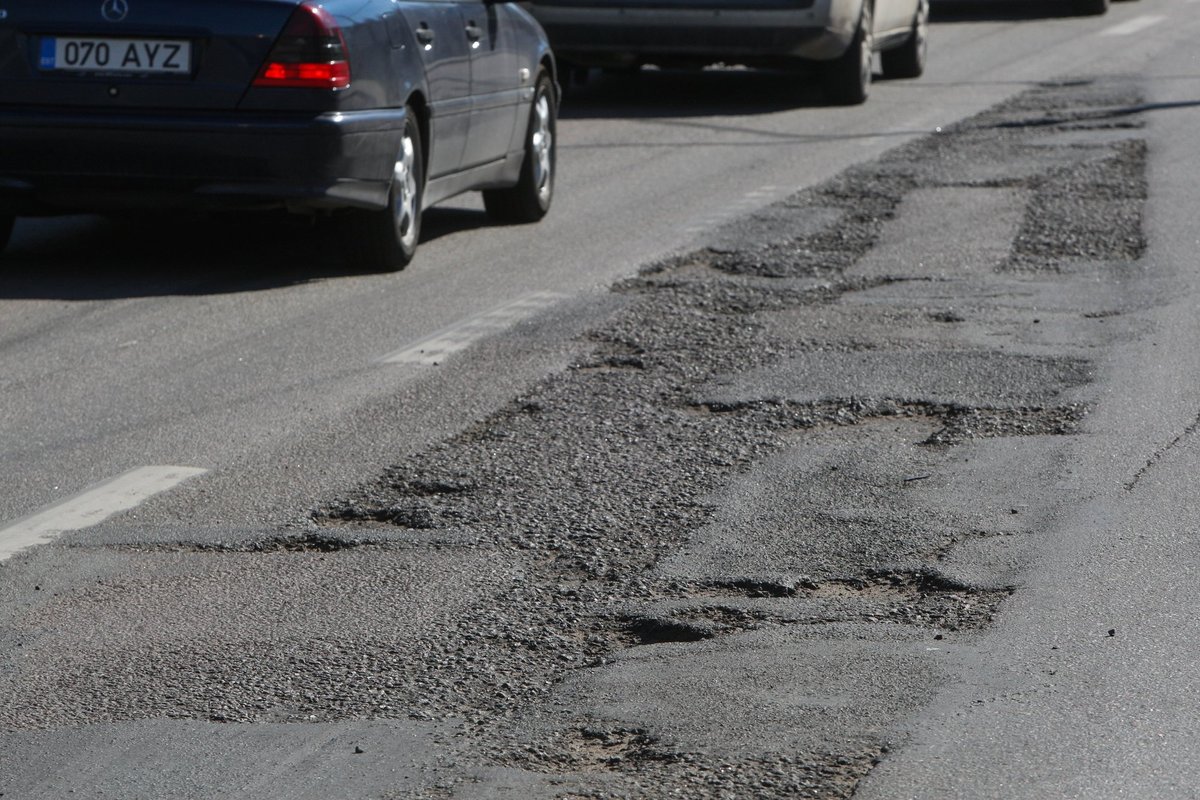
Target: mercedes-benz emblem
{"points": [[114, 10]]}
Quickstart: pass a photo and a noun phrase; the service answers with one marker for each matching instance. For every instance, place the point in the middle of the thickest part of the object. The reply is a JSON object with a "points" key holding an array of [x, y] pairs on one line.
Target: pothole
{"points": [[303, 542], [656, 630], [608, 748], [910, 598], [962, 424], [398, 516], [641, 765]]}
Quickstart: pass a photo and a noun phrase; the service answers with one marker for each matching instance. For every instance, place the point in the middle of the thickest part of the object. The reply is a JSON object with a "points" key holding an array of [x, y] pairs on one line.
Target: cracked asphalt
{"points": [[773, 490]]}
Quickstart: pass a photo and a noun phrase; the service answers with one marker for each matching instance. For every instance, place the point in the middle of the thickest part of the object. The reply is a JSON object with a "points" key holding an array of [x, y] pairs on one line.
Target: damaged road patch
{"points": [[725, 552], [733, 494]]}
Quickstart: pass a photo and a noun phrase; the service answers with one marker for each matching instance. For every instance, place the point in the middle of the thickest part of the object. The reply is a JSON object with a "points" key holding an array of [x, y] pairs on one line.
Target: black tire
{"points": [[1090, 8], [908, 60], [386, 240], [846, 80], [530, 199], [6, 229]]}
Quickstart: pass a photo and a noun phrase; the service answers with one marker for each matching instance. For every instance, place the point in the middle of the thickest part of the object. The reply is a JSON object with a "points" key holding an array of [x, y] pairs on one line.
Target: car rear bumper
{"points": [[52, 160], [635, 32]]}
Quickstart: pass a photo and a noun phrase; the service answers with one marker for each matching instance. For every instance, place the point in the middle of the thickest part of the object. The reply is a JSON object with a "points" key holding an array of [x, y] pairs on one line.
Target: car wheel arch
{"points": [[416, 101], [547, 62]]}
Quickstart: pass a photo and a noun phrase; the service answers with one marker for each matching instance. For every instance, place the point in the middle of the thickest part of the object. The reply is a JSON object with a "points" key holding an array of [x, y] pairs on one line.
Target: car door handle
{"points": [[424, 34], [474, 32]]}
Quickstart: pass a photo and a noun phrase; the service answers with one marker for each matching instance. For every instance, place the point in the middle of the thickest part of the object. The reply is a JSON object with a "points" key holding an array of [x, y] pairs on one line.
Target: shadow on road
{"points": [[150, 255], [653, 93], [999, 10]]}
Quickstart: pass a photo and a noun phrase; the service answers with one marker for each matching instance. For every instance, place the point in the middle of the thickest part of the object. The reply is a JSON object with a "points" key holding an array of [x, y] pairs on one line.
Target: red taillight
{"points": [[310, 53]]}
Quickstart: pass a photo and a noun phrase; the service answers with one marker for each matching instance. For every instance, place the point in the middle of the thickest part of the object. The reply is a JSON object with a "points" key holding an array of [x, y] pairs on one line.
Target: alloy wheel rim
{"points": [[404, 184], [542, 143]]}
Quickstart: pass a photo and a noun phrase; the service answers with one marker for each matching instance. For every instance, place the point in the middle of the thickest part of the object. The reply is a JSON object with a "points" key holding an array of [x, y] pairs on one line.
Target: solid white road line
{"points": [[1132, 26], [434, 349], [91, 506]]}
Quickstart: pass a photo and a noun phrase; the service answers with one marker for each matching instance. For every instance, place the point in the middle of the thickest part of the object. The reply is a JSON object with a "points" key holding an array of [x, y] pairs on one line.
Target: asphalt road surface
{"points": [[800, 452]]}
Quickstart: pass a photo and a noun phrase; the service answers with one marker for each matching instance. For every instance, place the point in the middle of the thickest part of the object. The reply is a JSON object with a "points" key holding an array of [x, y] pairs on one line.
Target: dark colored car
{"points": [[836, 37], [364, 112]]}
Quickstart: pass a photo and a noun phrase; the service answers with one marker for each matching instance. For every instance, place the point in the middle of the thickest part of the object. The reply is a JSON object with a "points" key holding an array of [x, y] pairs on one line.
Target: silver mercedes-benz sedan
{"points": [[838, 37]]}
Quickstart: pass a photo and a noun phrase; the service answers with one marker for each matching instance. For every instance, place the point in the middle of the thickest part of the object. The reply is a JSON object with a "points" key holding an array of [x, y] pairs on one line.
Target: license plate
{"points": [[142, 56]]}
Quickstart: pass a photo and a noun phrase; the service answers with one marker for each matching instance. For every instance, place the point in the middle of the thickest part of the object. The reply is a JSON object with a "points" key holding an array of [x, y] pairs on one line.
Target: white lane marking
{"points": [[91, 506], [435, 348], [1132, 26]]}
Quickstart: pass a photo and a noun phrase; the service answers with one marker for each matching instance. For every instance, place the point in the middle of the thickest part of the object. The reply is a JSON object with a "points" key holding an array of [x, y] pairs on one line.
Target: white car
{"points": [[838, 37]]}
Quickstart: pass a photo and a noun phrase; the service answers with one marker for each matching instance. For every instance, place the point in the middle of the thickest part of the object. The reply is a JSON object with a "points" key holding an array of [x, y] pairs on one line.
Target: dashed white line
{"points": [[1132, 26], [434, 349], [91, 506]]}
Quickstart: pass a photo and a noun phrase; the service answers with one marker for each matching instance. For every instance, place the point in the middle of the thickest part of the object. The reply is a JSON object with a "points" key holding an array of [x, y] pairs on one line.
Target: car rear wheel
{"points": [[6, 228], [387, 239], [847, 79], [908, 60], [530, 199], [1091, 7]]}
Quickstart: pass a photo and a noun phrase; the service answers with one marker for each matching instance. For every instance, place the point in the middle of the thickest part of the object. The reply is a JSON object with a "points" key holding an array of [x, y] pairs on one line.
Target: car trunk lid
{"points": [[135, 54]]}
